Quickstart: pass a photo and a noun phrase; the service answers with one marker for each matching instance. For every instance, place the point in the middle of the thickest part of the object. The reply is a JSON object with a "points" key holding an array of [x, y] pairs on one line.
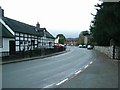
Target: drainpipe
{"points": [[113, 51]]}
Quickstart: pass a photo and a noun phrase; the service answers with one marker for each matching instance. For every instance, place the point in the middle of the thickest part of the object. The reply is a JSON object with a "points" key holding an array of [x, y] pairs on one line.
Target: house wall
{"points": [[57, 40], [27, 42], [47, 42], [5, 47], [23, 40]]}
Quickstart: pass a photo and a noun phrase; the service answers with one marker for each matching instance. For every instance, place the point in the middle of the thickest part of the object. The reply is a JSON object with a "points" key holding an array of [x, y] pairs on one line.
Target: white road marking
{"points": [[48, 86], [62, 81], [78, 72], [91, 62], [86, 66]]}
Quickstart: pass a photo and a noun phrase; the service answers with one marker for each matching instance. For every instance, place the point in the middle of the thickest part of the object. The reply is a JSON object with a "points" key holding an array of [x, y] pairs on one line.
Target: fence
{"points": [[32, 53]]}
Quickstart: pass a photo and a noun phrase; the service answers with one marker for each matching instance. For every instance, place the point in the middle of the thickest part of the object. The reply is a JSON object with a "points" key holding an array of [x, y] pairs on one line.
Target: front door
{"points": [[12, 47]]}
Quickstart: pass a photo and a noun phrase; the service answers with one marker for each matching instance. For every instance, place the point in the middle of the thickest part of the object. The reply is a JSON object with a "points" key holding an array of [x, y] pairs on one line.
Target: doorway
{"points": [[12, 47]]}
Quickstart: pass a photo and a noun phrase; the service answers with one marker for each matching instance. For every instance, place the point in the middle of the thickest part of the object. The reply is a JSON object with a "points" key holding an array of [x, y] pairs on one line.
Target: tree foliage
{"points": [[106, 23], [62, 38], [85, 33]]}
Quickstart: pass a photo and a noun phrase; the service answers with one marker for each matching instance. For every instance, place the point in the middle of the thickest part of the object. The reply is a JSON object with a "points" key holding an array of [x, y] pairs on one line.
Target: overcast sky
{"points": [[68, 17]]}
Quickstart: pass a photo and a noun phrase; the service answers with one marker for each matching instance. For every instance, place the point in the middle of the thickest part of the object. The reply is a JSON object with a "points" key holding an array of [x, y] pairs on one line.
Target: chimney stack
{"points": [[37, 26], [1, 12]]}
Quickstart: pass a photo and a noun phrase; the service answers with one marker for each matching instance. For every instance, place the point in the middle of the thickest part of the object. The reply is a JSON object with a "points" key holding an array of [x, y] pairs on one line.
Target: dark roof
{"points": [[6, 33], [18, 26], [48, 35]]}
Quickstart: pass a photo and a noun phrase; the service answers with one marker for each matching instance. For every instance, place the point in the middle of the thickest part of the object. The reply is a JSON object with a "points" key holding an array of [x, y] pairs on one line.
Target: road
{"points": [[47, 72]]}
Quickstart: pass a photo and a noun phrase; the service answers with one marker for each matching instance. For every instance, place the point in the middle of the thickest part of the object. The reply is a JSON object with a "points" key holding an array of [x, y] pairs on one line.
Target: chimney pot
{"points": [[1, 12], [38, 25]]}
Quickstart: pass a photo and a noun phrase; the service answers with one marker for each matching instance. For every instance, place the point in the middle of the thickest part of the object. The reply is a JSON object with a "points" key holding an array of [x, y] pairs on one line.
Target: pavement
{"points": [[102, 73]]}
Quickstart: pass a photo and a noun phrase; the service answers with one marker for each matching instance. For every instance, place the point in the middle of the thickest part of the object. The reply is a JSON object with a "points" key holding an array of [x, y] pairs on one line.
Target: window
{"points": [[29, 42], [17, 42], [21, 34], [17, 34], [25, 35], [32, 42], [17, 38], [21, 42], [25, 42]]}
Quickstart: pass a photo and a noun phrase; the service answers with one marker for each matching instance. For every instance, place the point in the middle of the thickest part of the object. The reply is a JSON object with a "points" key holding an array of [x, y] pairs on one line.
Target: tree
{"points": [[62, 38], [106, 25]]}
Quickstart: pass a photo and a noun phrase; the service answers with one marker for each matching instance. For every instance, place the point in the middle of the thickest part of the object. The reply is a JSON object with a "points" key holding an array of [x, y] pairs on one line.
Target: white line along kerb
{"points": [[62, 81], [78, 72]]}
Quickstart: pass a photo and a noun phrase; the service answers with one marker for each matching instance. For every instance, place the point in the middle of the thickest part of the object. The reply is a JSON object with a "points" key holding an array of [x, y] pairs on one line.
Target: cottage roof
{"points": [[21, 27], [6, 33]]}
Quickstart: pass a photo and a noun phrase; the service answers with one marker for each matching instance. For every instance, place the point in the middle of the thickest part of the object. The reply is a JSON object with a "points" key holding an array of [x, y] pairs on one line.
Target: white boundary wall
{"points": [[106, 50]]}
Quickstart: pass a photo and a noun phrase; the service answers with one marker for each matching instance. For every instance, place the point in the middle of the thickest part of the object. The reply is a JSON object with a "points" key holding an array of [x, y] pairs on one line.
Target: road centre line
{"points": [[91, 62], [62, 81], [48, 86], [78, 72], [86, 66]]}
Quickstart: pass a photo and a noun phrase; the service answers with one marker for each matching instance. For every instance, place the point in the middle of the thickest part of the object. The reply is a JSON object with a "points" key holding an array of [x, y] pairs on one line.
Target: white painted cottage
{"points": [[18, 36]]}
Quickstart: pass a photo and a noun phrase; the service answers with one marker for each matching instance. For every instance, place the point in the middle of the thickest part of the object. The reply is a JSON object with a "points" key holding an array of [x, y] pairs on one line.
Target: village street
{"points": [[54, 71], [40, 73]]}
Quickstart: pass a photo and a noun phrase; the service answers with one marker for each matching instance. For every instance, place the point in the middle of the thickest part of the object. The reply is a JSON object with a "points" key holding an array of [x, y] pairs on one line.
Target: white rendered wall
{"points": [[5, 47]]}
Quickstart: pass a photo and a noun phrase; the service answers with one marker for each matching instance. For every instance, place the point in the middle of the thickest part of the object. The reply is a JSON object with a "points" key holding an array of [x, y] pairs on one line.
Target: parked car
{"points": [[90, 47], [80, 46], [84, 46], [59, 46]]}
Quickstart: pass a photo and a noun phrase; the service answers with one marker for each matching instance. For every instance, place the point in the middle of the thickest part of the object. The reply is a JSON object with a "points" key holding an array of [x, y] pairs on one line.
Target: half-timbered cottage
{"points": [[18, 36]]}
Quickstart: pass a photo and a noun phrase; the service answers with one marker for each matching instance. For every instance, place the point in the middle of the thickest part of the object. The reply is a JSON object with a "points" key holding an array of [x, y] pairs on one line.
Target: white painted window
{"points": [[25, 35], [17, 48], [17, 34], [21, 38], [17, 42], [25, 38], [17, 38], [21, 34]]}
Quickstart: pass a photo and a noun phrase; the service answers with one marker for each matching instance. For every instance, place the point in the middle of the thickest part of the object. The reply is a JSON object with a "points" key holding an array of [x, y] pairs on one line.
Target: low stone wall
{"points": [[117, 54], [109, 51], [106, 50]]}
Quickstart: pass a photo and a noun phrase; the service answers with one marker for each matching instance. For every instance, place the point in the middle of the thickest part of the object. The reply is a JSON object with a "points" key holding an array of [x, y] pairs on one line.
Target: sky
{"points": [[67, 17]]}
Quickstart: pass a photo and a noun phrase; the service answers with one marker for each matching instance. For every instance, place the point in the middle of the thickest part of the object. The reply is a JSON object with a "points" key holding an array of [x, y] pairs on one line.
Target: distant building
{"points": [[84, 38], [17, 36], [60, 39], [57, 40], [72, 41]]}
